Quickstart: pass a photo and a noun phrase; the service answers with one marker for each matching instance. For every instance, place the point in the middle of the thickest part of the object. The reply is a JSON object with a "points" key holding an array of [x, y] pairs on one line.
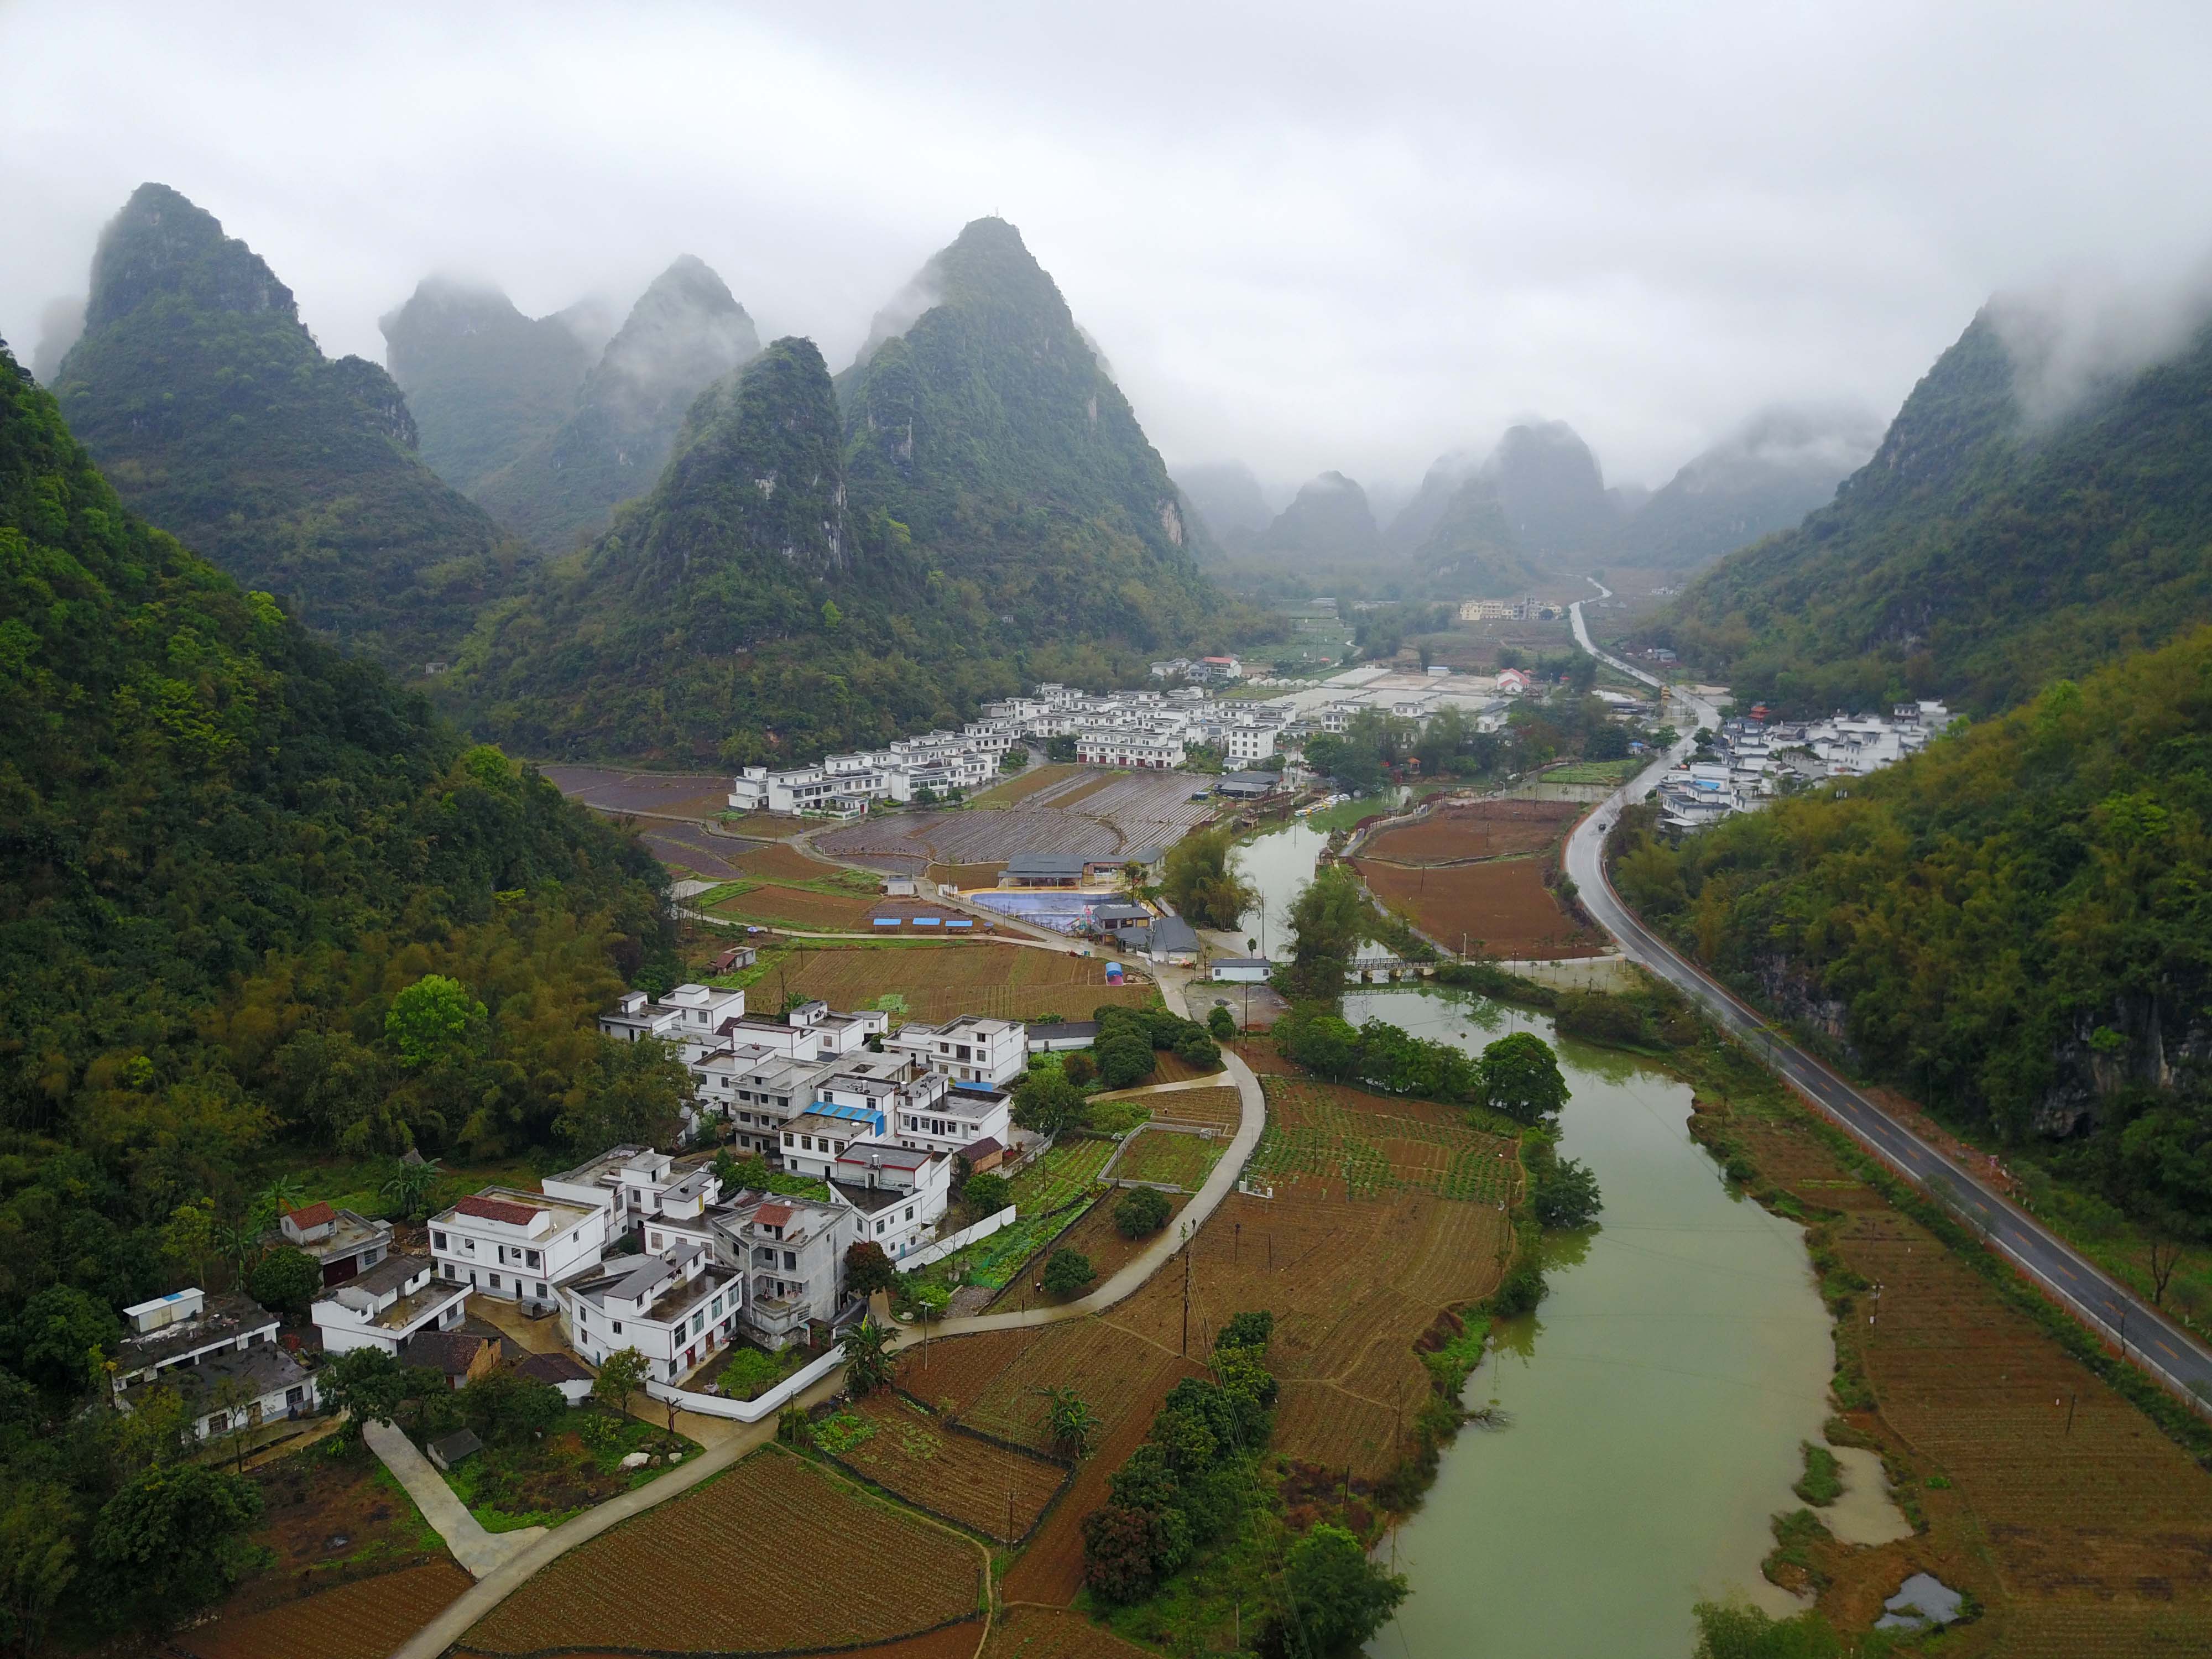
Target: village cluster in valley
{"points": [[1754, 758], [638, 1248], [645, 1249]]}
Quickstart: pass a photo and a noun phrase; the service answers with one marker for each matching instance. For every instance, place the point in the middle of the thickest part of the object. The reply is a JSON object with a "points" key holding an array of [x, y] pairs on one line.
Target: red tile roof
{"points": [[773, 1215], [497, 1209], [314, 1215]]}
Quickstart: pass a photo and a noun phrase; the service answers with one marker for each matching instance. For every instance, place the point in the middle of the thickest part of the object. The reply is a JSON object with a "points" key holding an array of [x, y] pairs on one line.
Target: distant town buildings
{"points": [[1756, 759]]}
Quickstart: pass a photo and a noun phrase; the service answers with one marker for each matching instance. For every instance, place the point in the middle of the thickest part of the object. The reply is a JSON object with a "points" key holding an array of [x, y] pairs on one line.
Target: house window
{"points": [[909, 1213], [617, 1324], [541, 1287], [438, 1241], [879, 1227], [494, 1281], [791, 1261], [531, 1256]]}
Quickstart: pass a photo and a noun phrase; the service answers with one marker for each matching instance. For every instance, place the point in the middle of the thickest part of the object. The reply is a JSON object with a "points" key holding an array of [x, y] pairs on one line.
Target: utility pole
{"points": [[2070, 1399], [1186, 1301]]}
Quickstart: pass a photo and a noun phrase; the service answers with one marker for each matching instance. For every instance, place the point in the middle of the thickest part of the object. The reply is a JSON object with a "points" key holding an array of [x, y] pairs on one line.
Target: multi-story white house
{"points": [[968, 1049], [689, 1013], [675, 1309], [518, 1245], [792, 1252], [1247, 744], [384, 1306], [1135, 749], [899, 1192], [815, 1140], [965, 1114]]}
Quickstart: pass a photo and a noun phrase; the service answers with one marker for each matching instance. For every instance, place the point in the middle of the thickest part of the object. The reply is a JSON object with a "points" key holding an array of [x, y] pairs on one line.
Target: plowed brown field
{"points": [[1484, 829], [1024, 1632], [365, 1619], [687, 1576], [1001, 982], [989, 1488], [1501, 909]]}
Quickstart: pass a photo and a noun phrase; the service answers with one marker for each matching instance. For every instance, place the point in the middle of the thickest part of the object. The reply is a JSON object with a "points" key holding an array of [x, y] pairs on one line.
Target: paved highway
{"points": [[2109, 1308]]}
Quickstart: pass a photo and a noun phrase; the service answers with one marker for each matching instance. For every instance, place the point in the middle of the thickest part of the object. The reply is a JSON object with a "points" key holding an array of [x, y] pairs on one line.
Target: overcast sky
{"points": [[1306, 235]]}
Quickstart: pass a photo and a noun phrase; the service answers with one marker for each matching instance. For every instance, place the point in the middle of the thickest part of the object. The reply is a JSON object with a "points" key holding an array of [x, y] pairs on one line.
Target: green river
{"points": [[1654, 1403]]}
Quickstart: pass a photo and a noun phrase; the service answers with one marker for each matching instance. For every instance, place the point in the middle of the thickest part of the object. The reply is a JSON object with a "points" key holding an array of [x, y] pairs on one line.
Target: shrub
{"points": [[1124, 1059], [1197, 1048], [598, 1432], [1252, 1329], [1067, 1272], [1222, 1023], [987, 1195], [1078, 1067], [286, 1280], [1141, 1210], [868, 1269]]}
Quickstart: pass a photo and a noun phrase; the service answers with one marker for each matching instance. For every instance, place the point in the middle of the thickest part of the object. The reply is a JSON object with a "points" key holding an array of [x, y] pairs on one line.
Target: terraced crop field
{"points": [[1217, 1109], [1348, 1140], [798, 906], [1168, 1158], [984, 1486], [365, 1619], [1095, 814], [1353, 1284], [618, 1592], [1067, 1173], [1482, 829]]}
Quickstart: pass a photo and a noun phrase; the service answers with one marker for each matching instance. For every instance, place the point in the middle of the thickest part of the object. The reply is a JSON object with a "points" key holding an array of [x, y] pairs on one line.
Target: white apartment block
{"points": [[387, 1304], [792, 1252], [1134, 750], [845, 784], [518, 1245], [968, 1049], [1249, 743], [899, 1194]]}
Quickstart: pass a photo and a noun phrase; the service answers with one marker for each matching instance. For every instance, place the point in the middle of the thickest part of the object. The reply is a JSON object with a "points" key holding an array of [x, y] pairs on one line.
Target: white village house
{"points": [[517, 1245], [394, 1301], [218, 1354]]}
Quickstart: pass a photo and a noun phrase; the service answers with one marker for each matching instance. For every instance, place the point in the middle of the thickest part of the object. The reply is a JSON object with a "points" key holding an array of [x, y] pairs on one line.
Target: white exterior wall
{"points": [[475, 1251]]}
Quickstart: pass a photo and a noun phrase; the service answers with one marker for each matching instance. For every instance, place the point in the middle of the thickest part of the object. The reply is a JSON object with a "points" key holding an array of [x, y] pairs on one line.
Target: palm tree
{"points": [[868, 1361], [238, 1243], [281, 1194], [1074, 1426], [410, 1188]]}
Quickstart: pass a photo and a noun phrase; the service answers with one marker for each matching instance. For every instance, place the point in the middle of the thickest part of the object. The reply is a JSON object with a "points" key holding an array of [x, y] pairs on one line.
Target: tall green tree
{"points": [[1521, 1077], [1329, 919], [1198, 880], [174, 1540]]}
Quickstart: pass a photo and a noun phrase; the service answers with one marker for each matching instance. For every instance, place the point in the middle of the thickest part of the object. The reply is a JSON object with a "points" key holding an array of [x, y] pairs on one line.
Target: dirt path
{"points": [[481, 1553]]}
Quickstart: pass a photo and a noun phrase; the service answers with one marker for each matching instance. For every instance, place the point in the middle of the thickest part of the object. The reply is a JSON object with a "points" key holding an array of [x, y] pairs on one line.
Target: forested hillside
{"points": [[213, 411], [981, 511], [1979, 555], [1782, 465], [1454, 533], [685, 332], [484, 382], [227, 849], [2015, 926]]}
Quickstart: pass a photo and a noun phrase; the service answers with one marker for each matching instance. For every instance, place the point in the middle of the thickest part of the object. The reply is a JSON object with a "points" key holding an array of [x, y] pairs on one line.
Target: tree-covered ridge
{"points": [[1980, 554], [484, 382], [685, 332], [214, 413], [759, 605], [987, 433], [227, 849], [2014, 925]]}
